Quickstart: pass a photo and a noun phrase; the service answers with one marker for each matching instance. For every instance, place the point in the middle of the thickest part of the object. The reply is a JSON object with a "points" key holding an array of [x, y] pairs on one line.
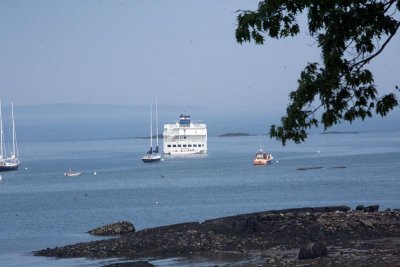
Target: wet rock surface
{"points": [[113, 229], [270, 238]]}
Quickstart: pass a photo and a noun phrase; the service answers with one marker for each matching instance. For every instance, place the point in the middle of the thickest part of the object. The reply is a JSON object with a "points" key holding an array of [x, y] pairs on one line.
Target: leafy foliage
{"points": [[350, 34]]}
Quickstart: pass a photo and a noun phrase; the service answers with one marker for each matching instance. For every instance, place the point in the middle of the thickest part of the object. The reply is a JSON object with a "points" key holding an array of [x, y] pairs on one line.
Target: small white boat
{"points": [[70, 173]]}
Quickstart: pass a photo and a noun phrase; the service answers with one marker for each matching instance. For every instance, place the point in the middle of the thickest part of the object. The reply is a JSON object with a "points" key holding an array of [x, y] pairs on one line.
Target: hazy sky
{"points": [[128, 52]]}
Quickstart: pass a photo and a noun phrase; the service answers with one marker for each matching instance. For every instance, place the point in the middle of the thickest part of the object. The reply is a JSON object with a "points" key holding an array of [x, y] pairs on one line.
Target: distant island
{"points": [[336, 132], [234, 134]]}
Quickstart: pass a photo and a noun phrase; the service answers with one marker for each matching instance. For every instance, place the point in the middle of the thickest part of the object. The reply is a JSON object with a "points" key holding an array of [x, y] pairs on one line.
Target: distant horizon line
{"points": [[88, 104]]}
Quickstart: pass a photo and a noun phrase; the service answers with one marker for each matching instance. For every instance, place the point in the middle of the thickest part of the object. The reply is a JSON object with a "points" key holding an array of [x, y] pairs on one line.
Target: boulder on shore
{"points": [[313, 250], [371, 208], [118, 228]]}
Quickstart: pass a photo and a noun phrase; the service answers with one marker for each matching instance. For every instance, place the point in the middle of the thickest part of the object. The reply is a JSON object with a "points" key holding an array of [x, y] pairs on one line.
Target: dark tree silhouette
{"points": [[350, 35]]}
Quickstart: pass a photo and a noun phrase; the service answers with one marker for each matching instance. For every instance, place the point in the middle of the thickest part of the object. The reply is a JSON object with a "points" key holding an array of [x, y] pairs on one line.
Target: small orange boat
{"points": [[262, 158]]}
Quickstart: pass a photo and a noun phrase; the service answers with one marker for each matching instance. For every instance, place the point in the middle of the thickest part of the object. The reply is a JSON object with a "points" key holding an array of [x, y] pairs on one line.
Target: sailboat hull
{"points": [[147, 160], [11, 167]]}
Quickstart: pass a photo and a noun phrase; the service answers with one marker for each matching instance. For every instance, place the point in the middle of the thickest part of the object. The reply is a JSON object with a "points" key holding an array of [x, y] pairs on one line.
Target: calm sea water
{"points": [[40, 207]]}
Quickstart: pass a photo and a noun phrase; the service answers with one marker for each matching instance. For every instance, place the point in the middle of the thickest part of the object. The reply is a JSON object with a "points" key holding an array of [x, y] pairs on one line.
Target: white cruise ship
{"points": [[185, 137]]}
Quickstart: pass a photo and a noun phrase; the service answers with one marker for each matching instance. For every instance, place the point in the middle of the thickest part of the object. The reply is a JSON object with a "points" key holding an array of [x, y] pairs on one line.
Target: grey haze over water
{"points": [[75, 122], [128, 52]]}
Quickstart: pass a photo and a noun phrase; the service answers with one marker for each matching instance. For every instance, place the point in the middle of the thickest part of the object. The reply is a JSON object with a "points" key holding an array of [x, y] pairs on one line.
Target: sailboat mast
{"points": [[157, 121], [151, 125], [1, 135], [13, 129]]}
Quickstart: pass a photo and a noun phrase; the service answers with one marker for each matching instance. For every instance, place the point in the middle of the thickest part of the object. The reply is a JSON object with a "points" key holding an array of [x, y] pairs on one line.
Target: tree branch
{"points": [[365, 61]]}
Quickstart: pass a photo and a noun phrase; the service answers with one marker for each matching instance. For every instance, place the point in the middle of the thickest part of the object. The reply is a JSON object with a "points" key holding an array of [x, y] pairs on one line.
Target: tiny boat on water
{"points": [[262, 157], [70, 173]]}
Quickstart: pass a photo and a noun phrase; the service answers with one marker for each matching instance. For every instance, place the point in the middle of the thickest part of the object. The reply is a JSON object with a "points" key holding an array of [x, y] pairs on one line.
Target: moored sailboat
{"points": [[2, 147], [9, 163], [152, 155]]}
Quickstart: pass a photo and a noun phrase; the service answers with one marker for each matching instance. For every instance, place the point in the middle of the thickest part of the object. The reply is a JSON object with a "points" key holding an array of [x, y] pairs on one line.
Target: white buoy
{"points": [[26, 168], [1, 178], [156, 202], [162, 159], [317, 151], [277, 161], [95, 173]]}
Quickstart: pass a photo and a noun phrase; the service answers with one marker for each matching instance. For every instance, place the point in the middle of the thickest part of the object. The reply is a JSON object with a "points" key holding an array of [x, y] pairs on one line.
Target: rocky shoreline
{"points": [[362, 237]]}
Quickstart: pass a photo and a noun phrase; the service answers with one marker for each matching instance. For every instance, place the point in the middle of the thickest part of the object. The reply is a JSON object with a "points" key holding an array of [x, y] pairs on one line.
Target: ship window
{"points": [[173, 145], [194, 145], [190, 145], [179, 145], [184, 145], [199, 145], [169, 146]]}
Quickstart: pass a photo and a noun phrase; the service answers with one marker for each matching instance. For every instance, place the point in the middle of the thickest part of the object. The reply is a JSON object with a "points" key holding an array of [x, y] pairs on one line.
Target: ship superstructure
{"points": [[185, 137]]}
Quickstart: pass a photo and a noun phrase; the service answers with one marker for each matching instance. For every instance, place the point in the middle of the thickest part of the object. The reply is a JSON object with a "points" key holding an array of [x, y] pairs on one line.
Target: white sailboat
{"points": [[2, 147], [9, 163], [152, 155], [156, 151]]}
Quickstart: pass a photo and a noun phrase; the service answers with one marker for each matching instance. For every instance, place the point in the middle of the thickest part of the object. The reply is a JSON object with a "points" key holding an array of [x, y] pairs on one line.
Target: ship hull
{"points": [[186, 152]]}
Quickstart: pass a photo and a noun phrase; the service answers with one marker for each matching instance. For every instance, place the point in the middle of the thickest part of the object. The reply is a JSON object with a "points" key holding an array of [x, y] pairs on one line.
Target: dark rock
{"points": [[113, 229], [131, 264], [309, 168], [371, 208], [283, 227], [360, 207], [367, 223], [251, 226], [313, 250], [353, 236]]}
